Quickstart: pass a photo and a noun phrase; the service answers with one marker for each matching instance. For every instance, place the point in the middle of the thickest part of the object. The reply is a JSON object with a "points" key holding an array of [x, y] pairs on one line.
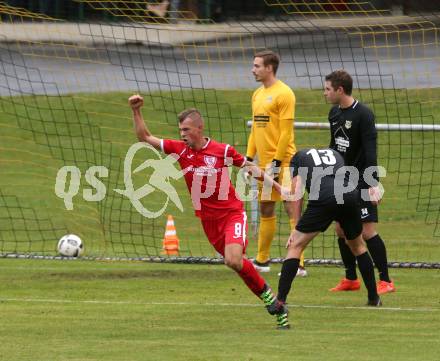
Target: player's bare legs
{"points": [[357, 245], [297, 242], [234, 256], [368, 230], [289, 208], [235, 260]]}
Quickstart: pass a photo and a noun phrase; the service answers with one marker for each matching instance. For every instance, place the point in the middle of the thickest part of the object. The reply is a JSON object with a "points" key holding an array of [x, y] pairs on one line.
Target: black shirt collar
{"points": [[352, 106]]}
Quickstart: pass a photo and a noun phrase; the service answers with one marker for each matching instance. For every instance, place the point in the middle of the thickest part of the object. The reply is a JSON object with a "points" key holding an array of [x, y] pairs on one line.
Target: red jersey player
{"points": [[205, 163]]}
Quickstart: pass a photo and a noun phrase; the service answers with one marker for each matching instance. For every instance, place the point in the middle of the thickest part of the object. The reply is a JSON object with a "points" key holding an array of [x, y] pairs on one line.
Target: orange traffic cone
{"points": [[170, 240]]}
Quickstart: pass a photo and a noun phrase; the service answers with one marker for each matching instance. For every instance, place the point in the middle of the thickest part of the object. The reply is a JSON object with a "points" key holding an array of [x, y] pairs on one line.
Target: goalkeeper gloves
{"points": [[275, 168]]}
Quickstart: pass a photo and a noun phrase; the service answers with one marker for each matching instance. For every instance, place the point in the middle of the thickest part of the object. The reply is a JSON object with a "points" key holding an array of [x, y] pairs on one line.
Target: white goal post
{"points": [[379, 126]]}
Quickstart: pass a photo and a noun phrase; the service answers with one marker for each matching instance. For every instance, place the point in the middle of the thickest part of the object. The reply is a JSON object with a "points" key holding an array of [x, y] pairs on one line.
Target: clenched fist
{"points": [[135, 101]]}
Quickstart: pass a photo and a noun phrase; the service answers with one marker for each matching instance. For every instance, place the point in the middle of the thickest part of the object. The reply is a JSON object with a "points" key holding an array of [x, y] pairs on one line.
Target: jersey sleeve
{"points": [[169, 146], [286, 109], [369, 140], [251, 146], [332, 144], [294, 165], [232, 157], [331, 117]]}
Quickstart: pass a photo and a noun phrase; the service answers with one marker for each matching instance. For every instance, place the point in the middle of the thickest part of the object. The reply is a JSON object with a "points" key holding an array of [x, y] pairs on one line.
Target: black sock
{"points": [[378, 252], [367, 271], [288, 273], [348, 259]]}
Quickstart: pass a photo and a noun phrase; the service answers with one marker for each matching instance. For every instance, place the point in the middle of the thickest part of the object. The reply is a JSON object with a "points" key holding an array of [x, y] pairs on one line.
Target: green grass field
{"points": [[90, 311], [82, 310], [39, 134]]}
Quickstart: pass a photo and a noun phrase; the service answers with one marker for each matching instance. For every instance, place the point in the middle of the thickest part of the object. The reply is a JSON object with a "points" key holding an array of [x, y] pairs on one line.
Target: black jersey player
{"points": [[353, 134], [331, 198]]}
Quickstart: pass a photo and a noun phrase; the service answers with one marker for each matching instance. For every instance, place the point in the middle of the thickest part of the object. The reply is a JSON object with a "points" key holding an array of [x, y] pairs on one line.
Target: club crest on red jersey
{"points": [[210, 161]]}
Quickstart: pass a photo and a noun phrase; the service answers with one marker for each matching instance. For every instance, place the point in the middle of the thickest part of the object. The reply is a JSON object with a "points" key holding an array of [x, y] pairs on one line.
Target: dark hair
{"points": [[269, 58], [192, 113], [340, 78]]}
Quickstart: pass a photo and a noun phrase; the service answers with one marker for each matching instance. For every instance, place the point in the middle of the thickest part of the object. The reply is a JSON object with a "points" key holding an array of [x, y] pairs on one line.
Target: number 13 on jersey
{"points": [[324, 156]]}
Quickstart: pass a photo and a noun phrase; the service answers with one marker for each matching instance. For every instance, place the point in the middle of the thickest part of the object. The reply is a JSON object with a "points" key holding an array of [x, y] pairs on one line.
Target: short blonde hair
{"points": [[192, 113], [269, 58]]}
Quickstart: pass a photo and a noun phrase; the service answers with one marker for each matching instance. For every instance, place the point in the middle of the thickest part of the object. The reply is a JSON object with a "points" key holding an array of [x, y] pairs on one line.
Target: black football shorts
{"points": [[368, 211], [320, 214]]}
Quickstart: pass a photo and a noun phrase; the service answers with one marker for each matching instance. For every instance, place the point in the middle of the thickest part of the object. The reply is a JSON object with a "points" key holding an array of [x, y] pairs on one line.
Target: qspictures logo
{"points": [[207, 181], [163, 171]]}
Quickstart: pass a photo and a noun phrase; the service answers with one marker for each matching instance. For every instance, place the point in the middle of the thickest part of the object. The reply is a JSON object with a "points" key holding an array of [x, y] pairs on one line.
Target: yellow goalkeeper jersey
{"points": [[273, 111]]}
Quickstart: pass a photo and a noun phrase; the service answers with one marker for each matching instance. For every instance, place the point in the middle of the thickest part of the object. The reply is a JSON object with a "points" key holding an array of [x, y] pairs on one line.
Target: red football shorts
{"points": [[231, 228]]}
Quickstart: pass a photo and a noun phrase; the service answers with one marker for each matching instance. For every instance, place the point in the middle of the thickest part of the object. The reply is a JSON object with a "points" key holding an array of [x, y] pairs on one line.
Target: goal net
{"points": [[66, 131]]}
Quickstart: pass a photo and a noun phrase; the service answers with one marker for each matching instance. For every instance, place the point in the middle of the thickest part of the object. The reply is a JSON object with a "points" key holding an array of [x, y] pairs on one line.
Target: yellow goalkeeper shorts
{"points": [[267, 193]]}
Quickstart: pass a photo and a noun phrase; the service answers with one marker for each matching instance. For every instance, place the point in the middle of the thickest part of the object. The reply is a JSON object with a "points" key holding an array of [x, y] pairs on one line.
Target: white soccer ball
{"points": [[70, 245]]}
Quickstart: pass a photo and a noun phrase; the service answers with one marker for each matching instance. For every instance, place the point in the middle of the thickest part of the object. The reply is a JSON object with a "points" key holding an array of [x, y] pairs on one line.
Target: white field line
{"points": [[219, 304]]}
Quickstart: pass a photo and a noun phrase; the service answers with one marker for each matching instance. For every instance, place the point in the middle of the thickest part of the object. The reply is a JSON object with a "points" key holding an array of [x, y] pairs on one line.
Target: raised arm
{"points": [[141, 130]]}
